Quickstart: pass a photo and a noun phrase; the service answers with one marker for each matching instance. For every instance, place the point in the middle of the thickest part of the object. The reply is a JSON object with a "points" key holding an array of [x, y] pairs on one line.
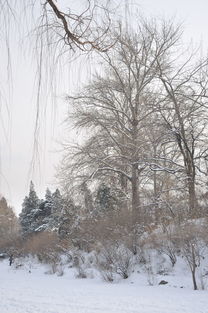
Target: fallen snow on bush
{"points": [[28, 290]]}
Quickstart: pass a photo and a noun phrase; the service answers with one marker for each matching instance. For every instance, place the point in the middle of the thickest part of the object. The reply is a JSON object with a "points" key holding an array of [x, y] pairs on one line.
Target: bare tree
{"points": [[117, 106], [163, 168], [184, 110], [191, 239], [8, 221], [10, 241]]}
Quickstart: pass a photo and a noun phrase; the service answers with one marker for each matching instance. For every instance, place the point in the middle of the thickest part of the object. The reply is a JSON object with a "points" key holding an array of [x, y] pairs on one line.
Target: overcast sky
{"points": [[16, 145]]}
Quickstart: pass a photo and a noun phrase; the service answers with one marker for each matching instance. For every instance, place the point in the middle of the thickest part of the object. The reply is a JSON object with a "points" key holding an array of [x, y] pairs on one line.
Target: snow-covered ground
{"points": [[22, 291]]}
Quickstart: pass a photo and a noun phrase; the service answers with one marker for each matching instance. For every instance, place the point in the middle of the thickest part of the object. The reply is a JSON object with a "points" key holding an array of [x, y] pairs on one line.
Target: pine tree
{"points": [[56, 210], [47, 204], [48, 199], [57, 202], [43, 214], [50, 211], [68, 219], [30, 208], [105, 201]]}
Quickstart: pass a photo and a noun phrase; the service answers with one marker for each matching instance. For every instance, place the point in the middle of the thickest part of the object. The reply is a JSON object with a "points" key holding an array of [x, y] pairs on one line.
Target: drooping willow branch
{"points": [[82, 41]]}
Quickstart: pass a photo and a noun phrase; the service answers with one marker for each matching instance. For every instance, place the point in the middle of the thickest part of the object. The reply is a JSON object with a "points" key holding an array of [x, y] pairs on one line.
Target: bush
{"points": [[45, 246], [81, 272], [114, 260], [82, 261]]}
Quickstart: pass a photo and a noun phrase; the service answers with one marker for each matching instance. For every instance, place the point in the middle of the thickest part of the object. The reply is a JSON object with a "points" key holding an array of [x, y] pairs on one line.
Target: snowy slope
{"points": [[36, 292]]}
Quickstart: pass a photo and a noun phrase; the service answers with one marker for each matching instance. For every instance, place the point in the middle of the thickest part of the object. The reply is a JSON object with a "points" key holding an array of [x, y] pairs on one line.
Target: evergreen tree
{"points": [[30, 207], [56, 210], [57, 202], [105, 201], [46, 207], [68, 219], [43, 214], [49, 212], [48, 199]]}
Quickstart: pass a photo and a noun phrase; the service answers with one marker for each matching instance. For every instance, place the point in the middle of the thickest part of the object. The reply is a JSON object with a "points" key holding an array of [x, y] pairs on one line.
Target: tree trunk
{"points": [[135, 194], [194, 278], [191, 189], [124, 187], [156, 204], [192, 198], [193, 266], [134, 167]]}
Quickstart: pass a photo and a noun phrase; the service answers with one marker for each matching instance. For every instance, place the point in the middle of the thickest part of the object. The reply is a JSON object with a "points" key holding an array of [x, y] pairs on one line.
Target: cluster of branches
{"points": [[84, 26]]}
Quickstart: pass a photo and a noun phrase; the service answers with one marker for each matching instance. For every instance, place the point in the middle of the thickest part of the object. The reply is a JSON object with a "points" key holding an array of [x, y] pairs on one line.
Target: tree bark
{"points": [[193, 267], [192, 198], [194, 280], [135, 194], [190, 171], [155, 188]]}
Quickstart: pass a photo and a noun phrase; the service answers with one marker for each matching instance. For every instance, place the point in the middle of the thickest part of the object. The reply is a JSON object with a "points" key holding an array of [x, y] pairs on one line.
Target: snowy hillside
{"points": [[29, 290]]}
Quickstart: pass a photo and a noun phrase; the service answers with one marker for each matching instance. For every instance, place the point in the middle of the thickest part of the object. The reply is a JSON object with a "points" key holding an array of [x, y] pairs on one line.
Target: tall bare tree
{"points": [[184, 110], [116, 106]]}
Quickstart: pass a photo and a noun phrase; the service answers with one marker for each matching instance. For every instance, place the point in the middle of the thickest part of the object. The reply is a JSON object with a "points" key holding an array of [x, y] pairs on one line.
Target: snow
{"points": [[29, 290]]}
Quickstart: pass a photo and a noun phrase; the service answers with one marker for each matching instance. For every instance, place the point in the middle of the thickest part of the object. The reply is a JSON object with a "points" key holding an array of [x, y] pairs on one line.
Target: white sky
{"points": [[16, 150]]}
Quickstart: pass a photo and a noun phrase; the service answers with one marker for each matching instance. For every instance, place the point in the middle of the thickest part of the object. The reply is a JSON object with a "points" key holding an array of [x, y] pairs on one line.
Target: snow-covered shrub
{"points": [[168, 248], [140, 257], [155, 253], [203, 279], [162, 245], [150, 266], [151, 275], [192, 250], [114, 260], [83, 263], [79, 264], [155, 264], [185, 239], [27, 263], [81, 272], [166, 244], [191, 239], [107, 274]]}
